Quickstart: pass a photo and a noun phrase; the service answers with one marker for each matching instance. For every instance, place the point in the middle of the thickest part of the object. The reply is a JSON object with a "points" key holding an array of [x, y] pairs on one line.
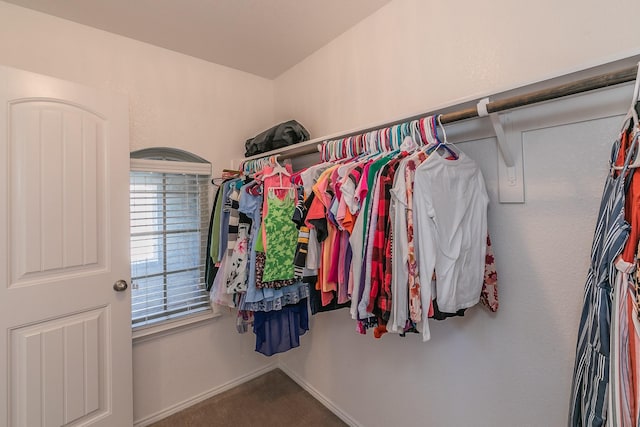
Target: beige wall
{"points": [[414, 55], [176, 101]]}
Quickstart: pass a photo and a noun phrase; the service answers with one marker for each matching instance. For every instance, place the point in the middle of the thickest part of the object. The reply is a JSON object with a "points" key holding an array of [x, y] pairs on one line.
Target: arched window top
{"points": [[166, 153]]}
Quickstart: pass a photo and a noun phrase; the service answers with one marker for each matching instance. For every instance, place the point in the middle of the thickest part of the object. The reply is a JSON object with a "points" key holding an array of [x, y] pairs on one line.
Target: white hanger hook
{"points": [[636, 89], [444, 132]]}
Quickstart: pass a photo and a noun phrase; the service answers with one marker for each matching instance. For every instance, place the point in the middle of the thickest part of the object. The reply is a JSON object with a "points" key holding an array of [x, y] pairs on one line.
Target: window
{"points": [[169, 222]]}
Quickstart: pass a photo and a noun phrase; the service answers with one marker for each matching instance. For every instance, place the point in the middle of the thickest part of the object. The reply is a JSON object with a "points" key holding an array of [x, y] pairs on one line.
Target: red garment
{"points": [[318, 211], [388, 276], [380, 298], [334, 252], [632, 203]]}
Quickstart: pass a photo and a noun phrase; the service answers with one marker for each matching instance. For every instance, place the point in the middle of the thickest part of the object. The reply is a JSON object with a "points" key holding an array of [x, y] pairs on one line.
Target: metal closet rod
{"points": [[568, 89], [584, 85]]}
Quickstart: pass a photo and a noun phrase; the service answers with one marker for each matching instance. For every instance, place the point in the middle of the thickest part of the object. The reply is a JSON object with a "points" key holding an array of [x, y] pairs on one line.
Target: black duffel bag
{"points": [[282, 135]]}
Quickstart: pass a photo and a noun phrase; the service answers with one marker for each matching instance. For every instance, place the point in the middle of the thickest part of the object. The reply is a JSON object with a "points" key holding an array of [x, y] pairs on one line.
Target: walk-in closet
{"points": [[292, 212]]}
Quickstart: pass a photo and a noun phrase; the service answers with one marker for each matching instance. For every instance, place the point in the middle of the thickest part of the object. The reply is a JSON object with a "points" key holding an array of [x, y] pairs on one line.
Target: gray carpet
{"points": [[271, 400]]}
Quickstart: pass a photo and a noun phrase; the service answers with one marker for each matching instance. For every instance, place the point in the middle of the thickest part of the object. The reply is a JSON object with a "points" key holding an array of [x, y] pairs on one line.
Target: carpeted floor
{"points": [[271, 400]]}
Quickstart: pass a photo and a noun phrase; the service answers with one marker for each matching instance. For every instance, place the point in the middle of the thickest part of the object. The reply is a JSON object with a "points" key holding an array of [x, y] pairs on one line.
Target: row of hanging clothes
{"points": [[606, 376], [390, 224]]}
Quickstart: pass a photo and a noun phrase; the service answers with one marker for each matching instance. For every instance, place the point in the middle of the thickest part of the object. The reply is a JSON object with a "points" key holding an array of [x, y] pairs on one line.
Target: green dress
{"points": [[282, 236]]}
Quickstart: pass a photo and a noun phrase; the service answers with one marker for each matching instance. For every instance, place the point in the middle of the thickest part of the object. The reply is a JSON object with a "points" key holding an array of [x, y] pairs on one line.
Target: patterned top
{"points": [[415, 306], [489, 295], [231, 205], [380, 301], [282, 236]]}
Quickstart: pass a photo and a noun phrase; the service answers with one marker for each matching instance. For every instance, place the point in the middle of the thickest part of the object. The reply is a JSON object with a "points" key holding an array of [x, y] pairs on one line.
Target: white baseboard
{"points": [[150, 419], [320, 397]]}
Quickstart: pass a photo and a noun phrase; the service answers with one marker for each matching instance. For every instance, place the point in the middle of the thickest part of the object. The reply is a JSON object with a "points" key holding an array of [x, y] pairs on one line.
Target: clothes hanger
{"points": [[420, 130], [346, 150], [631, 123], [366, 144], [359, 144], [325, 149], [328, 148], [372, 143], [387, 146], [395, 138], [449, 147], [379, 137], [355, 145], [405, 130], [278, 169], [420, 137], [430, 133], [247, 167], [400, 134], [632, 115], [390, 141], [362, 146], [416, 133], [444, 143], [409, 144]]}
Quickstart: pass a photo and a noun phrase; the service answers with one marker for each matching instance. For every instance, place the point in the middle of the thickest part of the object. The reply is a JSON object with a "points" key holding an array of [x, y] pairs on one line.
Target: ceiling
{"points": [[262, 37]]}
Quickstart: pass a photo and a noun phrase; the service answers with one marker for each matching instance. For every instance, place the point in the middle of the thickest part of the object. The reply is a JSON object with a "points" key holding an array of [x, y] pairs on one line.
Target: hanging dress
{"points": [[589, 391], [625, 351], [282, 236], [280, 331]]}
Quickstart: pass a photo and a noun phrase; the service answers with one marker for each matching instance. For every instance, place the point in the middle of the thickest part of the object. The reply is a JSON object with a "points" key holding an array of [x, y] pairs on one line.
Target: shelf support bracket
{"points": [[510, 157]]}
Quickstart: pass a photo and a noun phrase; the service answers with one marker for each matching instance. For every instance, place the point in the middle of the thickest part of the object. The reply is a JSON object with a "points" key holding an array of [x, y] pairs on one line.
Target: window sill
{"points": [[144, 333]]}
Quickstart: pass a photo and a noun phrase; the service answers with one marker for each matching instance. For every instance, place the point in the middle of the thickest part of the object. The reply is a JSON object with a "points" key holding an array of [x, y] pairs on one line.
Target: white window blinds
{"points": [[169, 225]]}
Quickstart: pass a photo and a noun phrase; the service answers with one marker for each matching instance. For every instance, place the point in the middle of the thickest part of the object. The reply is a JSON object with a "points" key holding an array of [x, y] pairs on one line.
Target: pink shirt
{"points": [[276, 180]]}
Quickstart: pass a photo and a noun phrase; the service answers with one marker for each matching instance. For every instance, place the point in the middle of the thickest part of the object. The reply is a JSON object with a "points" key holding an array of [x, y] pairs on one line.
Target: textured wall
{"points": [[175, 100], [414, 55]]}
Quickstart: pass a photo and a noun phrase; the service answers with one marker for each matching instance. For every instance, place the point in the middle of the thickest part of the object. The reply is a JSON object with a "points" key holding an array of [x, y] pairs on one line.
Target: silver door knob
{"points": [[120, 286]]}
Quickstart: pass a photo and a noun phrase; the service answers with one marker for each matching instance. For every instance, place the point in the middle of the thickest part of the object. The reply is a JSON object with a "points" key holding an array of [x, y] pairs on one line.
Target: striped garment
{"points": [[301, 252], [589, 393], [299, 217], [231, 205], [624, 351]]}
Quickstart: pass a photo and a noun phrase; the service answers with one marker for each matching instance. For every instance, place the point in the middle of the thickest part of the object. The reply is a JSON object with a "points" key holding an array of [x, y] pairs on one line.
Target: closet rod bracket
{"points": [[510, 162]]}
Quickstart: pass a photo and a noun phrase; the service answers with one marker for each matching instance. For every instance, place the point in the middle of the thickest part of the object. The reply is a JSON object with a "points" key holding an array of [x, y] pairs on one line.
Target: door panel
{"points": [[58, 153], [56, 369], [63, 243]]}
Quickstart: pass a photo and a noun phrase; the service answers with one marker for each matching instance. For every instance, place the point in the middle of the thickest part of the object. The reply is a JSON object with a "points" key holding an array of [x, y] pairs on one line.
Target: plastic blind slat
{"points": [[168, 229]]}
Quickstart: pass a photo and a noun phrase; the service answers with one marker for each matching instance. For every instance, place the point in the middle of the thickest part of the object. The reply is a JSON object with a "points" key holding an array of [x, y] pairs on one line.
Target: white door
{"points": [[65, 333]]}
